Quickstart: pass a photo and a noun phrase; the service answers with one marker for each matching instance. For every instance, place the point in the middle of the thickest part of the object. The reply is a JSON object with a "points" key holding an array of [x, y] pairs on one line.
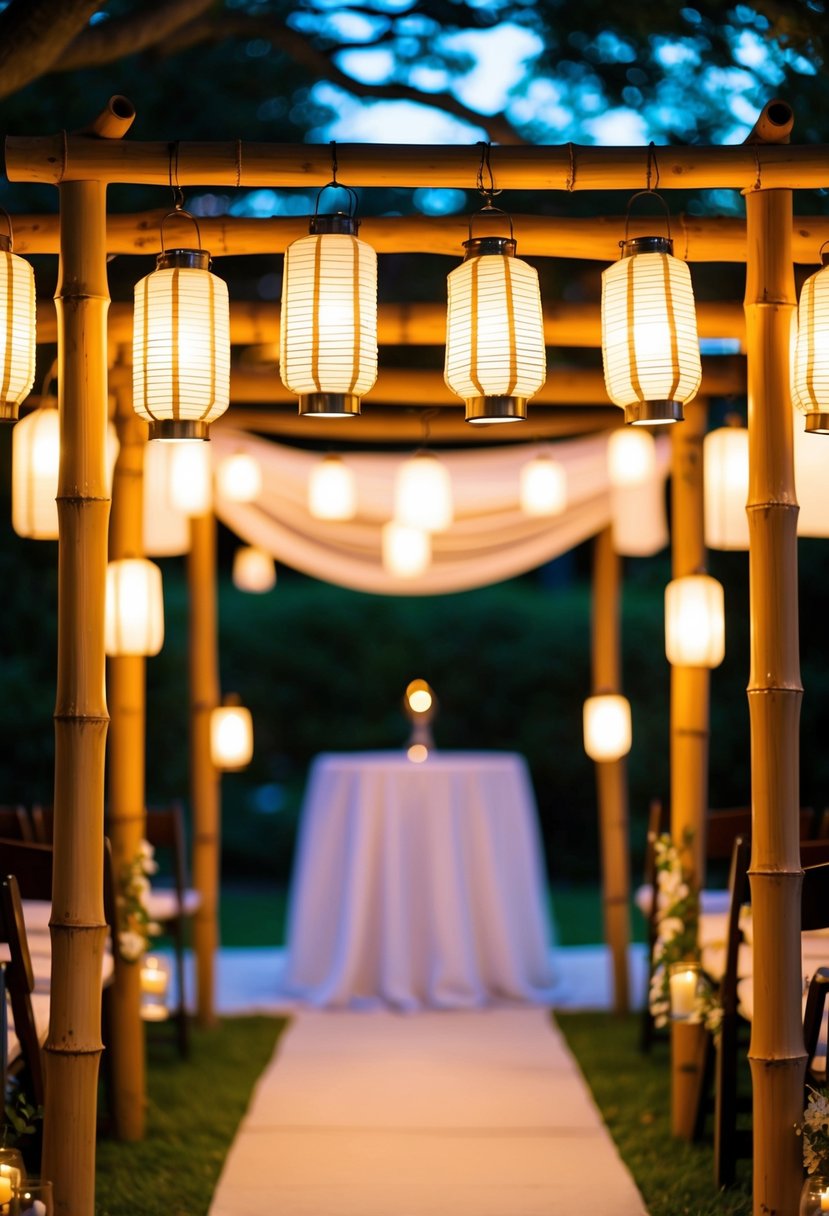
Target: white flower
{"points": [[131, 946], [670, 927]]}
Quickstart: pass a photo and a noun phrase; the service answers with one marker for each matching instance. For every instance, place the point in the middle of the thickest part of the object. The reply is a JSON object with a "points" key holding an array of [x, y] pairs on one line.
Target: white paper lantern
{"points": [[650, 348], [17, 329], [810, 380], [407, 552], [231, 736], [423, 494], [495, 354], [191, 478], [607, 727], [166, 528], [253, 569], [631, 457], [543, 486], [181, 346], [134, 618], [328, 326], [725, 484], [695, 621], [239, 478], [332, 490]]}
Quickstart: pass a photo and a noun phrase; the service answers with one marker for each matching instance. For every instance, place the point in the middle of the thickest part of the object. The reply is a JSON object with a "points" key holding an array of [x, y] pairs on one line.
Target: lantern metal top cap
{"points": [[481, 246], [191, 259], [347, 225], [646, 244], [817, 423]]}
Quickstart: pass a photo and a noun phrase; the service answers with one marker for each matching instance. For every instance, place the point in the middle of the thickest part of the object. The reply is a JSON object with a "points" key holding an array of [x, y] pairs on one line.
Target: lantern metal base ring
{"points": [[485, 410], [9, 411], [329, 405], [817, 424], [653, 413], [179, 428]]}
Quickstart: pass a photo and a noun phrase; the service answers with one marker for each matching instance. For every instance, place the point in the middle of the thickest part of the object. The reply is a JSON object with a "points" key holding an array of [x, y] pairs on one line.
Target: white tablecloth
{"points": [[418, 885]]}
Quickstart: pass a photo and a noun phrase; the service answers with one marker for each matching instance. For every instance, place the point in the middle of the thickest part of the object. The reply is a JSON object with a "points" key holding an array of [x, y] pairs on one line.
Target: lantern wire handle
{"points": [[178, 193], [490, 210], [11, 231], [487, 191], [819, 252], [652, 168], [641, 194]]}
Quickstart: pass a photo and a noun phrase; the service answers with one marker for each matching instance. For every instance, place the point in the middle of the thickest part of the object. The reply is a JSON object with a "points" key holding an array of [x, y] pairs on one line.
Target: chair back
{"points": [[20, 982], [15, 823], [43, 823], [165, 832]]}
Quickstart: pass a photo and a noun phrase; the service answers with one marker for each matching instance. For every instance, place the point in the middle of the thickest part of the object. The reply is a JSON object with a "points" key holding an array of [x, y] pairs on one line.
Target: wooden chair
{"points": [[15, 823], [816, 1074], [20, 982]]}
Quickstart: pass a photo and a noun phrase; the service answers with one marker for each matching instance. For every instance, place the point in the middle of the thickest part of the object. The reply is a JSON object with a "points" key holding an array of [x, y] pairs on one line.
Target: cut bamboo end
{"points": [[114, 120]]}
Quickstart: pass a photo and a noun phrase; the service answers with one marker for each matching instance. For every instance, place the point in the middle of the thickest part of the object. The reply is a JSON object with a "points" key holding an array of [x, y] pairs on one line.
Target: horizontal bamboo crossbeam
{"points": [[696, 239], [565, 167]]}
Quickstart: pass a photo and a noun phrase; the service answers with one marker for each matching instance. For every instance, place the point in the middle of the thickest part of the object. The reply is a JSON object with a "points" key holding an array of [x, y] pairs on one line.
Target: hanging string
{"points": [[570, 184], [426, 420], [177, 192], [334, 163], [653, 168], [238, 163], [486, 178], [758, 185]]}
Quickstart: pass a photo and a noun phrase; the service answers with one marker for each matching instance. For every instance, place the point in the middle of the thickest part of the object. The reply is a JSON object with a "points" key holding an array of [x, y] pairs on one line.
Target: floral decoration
{"points": [[815, 1132], [134, 925]]}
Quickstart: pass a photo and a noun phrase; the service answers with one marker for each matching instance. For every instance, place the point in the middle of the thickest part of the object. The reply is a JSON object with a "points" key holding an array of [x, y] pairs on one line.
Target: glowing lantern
{"points": [[637, 494], [650, 347], [166, 529], [543, 486], [253, 569], [181, 345], [420, 706], [155, 981], [423, 494], [231, 736], [328, 327], [631, 457], [495, 354], [810, 380], [407, 552], [725, 482], [607, 727], [239, 478], [134, 619], [694, 621], [191, 490], [332, 490], [17, 328]]}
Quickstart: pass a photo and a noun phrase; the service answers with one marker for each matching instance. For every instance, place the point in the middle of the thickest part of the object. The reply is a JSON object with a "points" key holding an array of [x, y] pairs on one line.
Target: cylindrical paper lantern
{"points": [[231, 736], [17, 329], [423, 494], [725, 481], [543, 486], [239, 478], [695, 621], [328, 327], [332, 490], [134, 619], [166, 528], [191, 478], [253, 569], [607, 727], [631, 457], [810, 379], [495, 354], [650, 348], [407, 552], [181, 346]]}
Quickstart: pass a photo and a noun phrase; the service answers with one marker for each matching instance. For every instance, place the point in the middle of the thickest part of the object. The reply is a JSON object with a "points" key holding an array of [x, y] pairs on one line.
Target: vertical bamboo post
{"points": [[690, 729], [204, 778], [611, 775], [73, 1044], [125, 820], [776, 1052]]}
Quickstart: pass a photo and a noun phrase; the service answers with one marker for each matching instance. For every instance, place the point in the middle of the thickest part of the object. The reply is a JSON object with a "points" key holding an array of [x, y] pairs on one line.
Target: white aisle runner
{"points": [[434, 1114]]}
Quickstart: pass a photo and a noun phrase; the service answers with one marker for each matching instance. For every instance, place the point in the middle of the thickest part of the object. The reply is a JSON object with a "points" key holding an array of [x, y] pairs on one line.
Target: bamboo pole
{"points": [[126, 817], [73, 1044], [611, 775], [690, 730], [204, 779], [776, 1052]]}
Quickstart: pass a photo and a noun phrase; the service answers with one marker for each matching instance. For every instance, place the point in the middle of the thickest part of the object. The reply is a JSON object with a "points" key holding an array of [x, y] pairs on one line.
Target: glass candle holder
{"points": [[814, 1198], [155, 980], [12, 1174], [33, 1198], [683, 983]]}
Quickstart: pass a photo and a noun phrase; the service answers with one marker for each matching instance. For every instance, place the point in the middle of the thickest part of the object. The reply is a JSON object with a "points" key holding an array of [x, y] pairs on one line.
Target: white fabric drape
{"points": [[491, 538]]}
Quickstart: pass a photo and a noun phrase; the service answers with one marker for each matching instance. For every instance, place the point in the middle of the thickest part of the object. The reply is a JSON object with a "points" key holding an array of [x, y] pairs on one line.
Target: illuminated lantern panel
{"points": [[495, 354], [543, 486], [166, 529], [134, 620], [423, 494], [181, 346], [253, 569], [35, 460], [231, 737], [407, 552], [810, 379], [328, 327], [695, 621], [631, 457], [17, 330], [725, 483], [191, 489], [239, 478], [650, 347], [607, 727], [332, 490]]}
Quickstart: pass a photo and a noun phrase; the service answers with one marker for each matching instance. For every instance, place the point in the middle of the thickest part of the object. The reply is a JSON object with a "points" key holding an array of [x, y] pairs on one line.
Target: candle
{"points": [[824, 1200], [153, 978], [683, 992], [5, 1185]]}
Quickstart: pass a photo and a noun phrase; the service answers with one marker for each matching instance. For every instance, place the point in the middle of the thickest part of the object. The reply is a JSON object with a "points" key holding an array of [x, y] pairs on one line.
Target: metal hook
{"points": [[641, 194], [178, 213], [426, 419], [177, 192], [653, 167], [488, 192]]}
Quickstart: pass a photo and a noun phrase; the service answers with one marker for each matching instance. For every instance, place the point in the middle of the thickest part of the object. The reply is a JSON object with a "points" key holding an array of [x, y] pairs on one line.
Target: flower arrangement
{"points": [[134, 925], [815, 1132]]}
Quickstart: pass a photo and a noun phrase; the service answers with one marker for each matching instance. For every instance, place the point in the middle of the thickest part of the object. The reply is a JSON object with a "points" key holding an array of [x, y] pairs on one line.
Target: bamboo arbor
{"points": [[82, 166]]}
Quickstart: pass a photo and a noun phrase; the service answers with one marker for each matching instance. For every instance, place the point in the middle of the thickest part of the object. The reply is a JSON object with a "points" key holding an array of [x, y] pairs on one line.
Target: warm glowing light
{"points": [[695, 621], [253, 569], [239, 478], [423, 494], [191, 489], [134, 618], [419, 696], [154, 982], [810, 379], [725, 481], [332, 490], [17, 330], [543, 486], [607, 727], [417, 753], [631, 457], [407, 552], [166, 529], [181, 346], [231, 737]]}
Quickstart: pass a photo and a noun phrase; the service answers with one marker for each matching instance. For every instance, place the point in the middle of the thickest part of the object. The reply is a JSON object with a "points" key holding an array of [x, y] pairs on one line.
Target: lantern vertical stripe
{"points": [[630, 277], [473, 344], [672, 326], [315, 316], [143, 345], [509, 303], [176, 402], [211, 296], [17, 330], [355, 305], [808, 340], [9, 344]]}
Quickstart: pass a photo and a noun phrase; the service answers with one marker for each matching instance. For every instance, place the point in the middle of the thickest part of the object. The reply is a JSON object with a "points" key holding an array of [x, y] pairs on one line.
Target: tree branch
{"points": [[146, 27], [33, 33]]}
